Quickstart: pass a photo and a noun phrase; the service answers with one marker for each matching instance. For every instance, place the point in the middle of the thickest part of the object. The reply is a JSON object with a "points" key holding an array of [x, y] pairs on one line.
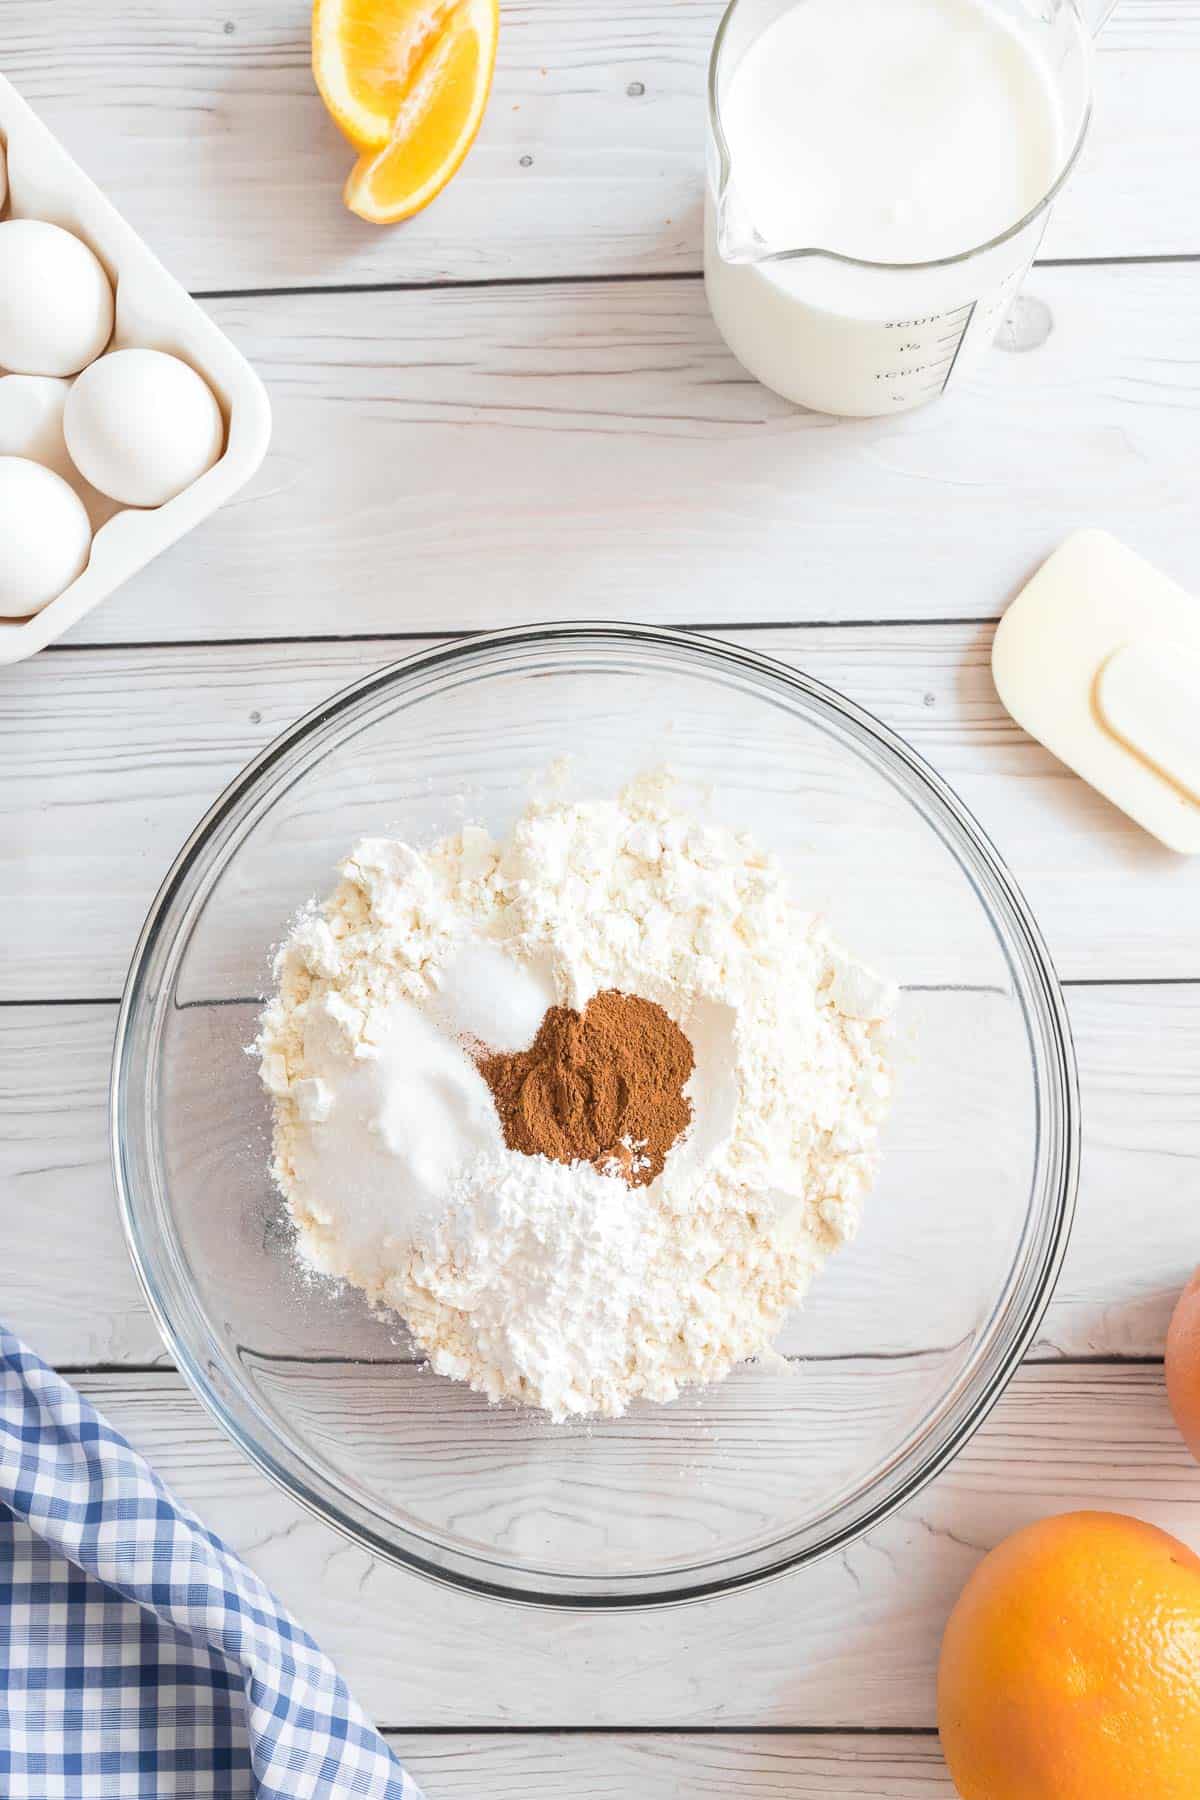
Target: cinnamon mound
{"points": [[604, 1086]]}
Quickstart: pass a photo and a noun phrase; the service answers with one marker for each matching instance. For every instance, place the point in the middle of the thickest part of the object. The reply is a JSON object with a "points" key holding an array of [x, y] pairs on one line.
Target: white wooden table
{"points": [[516, 407]]}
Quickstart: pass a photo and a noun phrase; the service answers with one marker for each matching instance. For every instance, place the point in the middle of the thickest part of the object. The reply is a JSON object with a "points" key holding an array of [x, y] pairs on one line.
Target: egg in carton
{"points": [[46, 417]]}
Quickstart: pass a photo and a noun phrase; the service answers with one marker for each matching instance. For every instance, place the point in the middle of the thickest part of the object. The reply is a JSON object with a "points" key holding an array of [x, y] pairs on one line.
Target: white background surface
{"points": [[517, 406]]}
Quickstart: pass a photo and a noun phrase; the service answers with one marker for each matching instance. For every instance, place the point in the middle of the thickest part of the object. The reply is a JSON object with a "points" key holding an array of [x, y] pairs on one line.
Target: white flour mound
{"points": [[552, 1284]]}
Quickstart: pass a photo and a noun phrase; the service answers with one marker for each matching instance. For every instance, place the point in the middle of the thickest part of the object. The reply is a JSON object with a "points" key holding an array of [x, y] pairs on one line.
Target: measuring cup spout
{"points": [[738, 239]]}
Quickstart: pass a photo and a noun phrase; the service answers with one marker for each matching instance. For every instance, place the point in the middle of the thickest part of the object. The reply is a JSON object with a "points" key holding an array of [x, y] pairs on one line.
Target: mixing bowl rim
{"points": [[1062, 1105]]}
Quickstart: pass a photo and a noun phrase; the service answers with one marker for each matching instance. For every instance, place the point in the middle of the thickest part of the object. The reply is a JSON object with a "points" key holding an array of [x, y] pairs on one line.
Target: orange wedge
{"points": [[365, 54], [408, 83]]}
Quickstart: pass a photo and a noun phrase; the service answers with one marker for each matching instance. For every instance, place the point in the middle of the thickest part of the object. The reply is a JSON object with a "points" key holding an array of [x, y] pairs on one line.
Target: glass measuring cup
{"points": [[863, 339]]}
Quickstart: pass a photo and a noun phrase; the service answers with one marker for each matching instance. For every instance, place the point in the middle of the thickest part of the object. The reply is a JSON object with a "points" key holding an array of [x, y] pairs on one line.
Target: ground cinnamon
{"points": [[603, 1086]]}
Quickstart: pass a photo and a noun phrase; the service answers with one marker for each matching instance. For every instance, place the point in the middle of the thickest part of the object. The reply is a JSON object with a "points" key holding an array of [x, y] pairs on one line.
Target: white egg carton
{"points": [[154, 311]]}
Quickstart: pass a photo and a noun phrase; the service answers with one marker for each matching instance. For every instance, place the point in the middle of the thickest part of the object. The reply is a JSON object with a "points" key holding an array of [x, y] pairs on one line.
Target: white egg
{"points": [[45, 537], [56, 302], [141, 426], [31, 424], [31, 420]]}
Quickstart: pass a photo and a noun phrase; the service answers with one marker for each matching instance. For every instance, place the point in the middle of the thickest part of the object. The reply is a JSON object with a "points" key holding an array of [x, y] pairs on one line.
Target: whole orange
{"points": [[1070, 1668], [1183, 1364]]}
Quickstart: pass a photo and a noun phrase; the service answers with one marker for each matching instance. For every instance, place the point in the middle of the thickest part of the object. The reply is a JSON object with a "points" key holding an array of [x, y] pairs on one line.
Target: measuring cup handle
{"points": [[1096, 13]]}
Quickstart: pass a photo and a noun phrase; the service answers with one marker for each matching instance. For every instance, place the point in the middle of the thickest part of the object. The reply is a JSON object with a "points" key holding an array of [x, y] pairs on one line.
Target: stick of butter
{"points": [[1099, 658]]}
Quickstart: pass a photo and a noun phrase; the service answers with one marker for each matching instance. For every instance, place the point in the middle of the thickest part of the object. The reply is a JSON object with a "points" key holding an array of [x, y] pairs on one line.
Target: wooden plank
{"points": [[201, 120], [67, 1286], [1135, 1242], [1138, 1049], [484, 457], [662, 1766], [120, 752], [851, 1642]]}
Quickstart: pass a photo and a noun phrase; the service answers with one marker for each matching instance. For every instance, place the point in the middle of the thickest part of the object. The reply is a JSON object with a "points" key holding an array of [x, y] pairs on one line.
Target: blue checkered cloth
{"points": [[140, 1659]]}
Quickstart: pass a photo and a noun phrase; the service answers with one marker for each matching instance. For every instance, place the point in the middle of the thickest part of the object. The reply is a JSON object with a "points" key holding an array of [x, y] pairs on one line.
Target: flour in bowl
{"points": [[445, 1005]]}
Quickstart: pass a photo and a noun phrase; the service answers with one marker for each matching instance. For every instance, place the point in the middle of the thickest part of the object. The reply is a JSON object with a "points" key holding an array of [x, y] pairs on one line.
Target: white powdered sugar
{"points": [[545, 1282]]}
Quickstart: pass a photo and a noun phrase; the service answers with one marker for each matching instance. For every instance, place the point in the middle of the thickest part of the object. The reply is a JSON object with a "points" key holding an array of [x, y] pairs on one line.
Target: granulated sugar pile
{"points": [[463, 1136]]}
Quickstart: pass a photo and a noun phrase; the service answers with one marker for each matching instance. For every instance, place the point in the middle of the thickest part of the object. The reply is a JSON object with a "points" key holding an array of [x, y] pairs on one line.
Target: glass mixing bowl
{"points": [[907, 1337]]}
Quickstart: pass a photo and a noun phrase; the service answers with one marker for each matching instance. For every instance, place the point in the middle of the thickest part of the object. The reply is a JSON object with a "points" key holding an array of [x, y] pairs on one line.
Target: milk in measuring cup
{"points": [[893, 132]]}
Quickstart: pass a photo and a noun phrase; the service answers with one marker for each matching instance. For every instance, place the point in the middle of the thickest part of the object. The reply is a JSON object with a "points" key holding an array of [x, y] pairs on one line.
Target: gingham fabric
{"points": [[139, 1658]]}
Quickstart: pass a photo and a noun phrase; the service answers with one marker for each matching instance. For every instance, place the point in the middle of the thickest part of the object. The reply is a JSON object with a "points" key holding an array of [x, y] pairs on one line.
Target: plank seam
{"points": [[671, 1731], [465, 632], [72, 1370], [1129, 981], [621, 278], [450, 284], [1034, 1360], [1070, 983], [84, 1000]]}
